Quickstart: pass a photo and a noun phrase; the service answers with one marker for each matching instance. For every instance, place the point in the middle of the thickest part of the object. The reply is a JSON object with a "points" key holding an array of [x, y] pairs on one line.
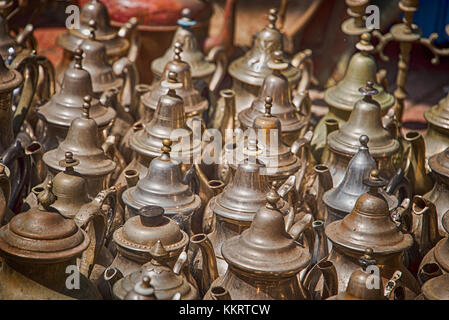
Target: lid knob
{"points": [[78, 58], [374, 181], [151, 216], [268, 105], [158, 252], [272, 18], [367, 259], [177, 49], [368, 90], [364, 45], [272, 198], [277, 63], [46, 198], [172, 83], [92, 29], [86, 106], [364, 139], [69, 161], [186, 21], [166, 148]]}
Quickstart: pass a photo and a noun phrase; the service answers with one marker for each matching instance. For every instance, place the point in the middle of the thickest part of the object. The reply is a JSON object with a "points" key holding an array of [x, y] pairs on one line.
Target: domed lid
{"points": [[266, 247], [438, 115], [344, 196], [6, 41], [66, 105], [192, 54], [42, 234], [163, 186], [97, 11], [437, 288], [82, 140], [9, 78], [276, 86], [357, 288], [362, 68], [96, 63], [369, 224], [365, 119], [69, 187], [142, 232], [168, 117], [252, 68], [194, 103], [439, 163]]}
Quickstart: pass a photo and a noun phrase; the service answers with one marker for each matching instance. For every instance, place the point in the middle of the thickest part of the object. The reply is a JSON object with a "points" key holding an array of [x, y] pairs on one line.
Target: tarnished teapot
{"points": [[369, 225], [437, 135], [340, 200], [37, 249], [82, 140], [342, 97], [165, 280], [194, 103], [67, 105], [264, 261], [365, 119], [249, 71], [164, 185], [276, 86]]}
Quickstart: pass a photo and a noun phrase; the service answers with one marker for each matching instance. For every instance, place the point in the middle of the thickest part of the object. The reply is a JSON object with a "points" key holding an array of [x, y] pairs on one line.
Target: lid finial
{"points": [[268, 105], [272, 18], [166, 148], [374, 181], [272, 198], [367, 259], [186, 21], [69, 162], [364, 45], [364, 139], [277, 62], [86, 106], [78, 58], [172, 83], [158, 252], [368, 91], [92, 29], [177, 50]]}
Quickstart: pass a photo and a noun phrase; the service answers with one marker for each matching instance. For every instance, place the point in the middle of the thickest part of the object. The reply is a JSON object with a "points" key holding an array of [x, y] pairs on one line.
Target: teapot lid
{"points": [[169, 116], [42, 234], [369, 224], [437, 288], [69, 187], [10, 79], [194, 103], [6, 40], [142, 232], [438, 115], [344, 196], [266, 247], [163, 186], [277, 87], [252, 68], [65, 106], [96, 63], [97, 11], [200, 68], [82, 141], [439, 163], [346, 139], [362, 68]]}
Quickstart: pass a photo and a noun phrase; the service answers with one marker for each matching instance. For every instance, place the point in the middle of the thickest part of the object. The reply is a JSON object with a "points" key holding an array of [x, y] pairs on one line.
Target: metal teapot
{"points": [[437, 135]]}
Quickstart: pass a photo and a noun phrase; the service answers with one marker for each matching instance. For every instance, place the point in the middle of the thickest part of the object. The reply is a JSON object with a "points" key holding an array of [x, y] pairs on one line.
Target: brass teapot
{"points": [[264, 261], [369, 225], [343, 143], [82, 140], [164, 185], [276, 86], [437, 135], [37, 249], [342, 97], [166, 281]]}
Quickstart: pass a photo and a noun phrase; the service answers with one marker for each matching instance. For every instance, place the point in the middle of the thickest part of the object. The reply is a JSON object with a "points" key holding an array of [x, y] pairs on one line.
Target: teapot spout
{"points": [[39, 169], [228, 122], [210, 271], [325, 183], [132, 177], [219, 293], [330, 287]]}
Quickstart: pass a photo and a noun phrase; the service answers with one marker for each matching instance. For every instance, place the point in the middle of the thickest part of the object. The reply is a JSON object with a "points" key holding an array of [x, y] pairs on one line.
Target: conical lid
{"points": [[194, 103], [369, 224], [200, 68], [365, 119], [276, 86], [82, 140], [66, 105], [140, 233], [439, 163], [168, 117], [9, 78], [163, 186], [96, 63], [42, 234], [252, 68], [438, 115], [362, 68], [6, 41], [69, 187], [97, 11], [266, 247], [344, 196]]}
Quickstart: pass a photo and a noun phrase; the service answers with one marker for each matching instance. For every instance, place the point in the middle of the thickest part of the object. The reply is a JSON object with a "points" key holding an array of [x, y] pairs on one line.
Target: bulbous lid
{"points": [[142, 232], [344, 196], [42, 234], [97, 11], [82, 140], [66, 105], [369, 224], [141, 291], [69, 187], [252, 68], [6, 41], [357, 288], [438, 115], [194, 103], [365, 119], [163, 186], [276, 86], [169, 116], [362, 68], [10, 79], [266, 248], [439, 163], [437, 288], [96, 63], [200, 68]]}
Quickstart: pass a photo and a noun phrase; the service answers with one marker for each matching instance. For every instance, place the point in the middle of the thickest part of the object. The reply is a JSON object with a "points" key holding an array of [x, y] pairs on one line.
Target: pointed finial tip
{"points": [[78, 58], [186, 13], [158, 250], [172, 77], [368, 258], [268, 105], [86, 106], [273, 198], [166, 146], [374, 174], [368, 90], [364, 139], [272, 18]]}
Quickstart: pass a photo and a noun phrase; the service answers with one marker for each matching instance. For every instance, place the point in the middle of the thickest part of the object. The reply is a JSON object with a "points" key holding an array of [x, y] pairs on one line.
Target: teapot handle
{"points": [[5, 188], [218, 55], [129, 31], [303, 61], [96, 218], [127, 69]]}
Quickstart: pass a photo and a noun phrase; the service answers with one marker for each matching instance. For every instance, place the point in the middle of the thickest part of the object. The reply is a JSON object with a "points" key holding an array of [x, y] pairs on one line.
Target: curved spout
{"points": [[425, 226], [216, 186], [429, 271], [415, 163], [228, 122], [325, 183], [38, 167], [330, 286], [219, 293], [210, 271], [110, 276], [132, 177]]}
